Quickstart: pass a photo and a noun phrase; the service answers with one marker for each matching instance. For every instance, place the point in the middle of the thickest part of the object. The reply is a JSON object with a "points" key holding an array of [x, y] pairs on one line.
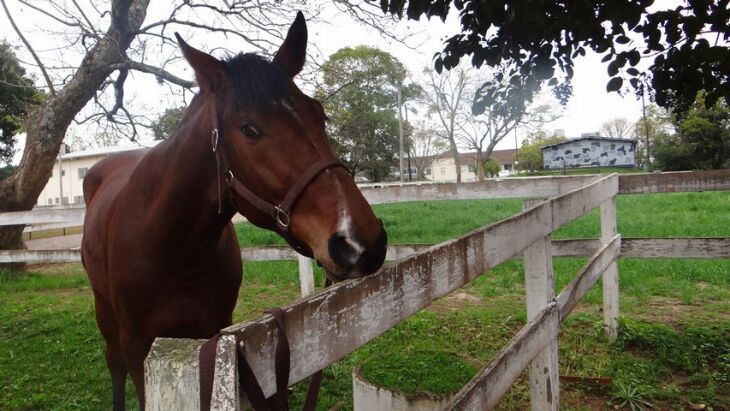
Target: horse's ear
{"points": [[293, 51], [209, 71]]}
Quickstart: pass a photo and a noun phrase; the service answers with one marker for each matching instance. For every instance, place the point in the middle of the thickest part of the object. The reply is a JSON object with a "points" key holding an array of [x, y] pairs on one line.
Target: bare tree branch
{"points": [[160, 74], [119, 94]]}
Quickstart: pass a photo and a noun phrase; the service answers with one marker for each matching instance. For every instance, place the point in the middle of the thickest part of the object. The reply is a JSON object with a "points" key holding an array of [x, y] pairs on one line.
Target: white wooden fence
{"points": [[326, 327]]}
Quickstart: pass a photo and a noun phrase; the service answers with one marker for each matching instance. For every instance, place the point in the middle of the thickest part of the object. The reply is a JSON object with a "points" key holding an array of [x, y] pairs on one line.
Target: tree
{"points": [[491, 167], [167, 123], [482, 132], [17, 96], [446, 96], [536, 41], [360, 93], [617, 128], [424, 145], [529, 155], [702, 140], [657, 125], [6, 171]]}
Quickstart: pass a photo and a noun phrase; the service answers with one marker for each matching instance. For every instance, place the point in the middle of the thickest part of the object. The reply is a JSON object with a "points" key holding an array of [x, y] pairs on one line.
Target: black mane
{"points": [[256, 80]]}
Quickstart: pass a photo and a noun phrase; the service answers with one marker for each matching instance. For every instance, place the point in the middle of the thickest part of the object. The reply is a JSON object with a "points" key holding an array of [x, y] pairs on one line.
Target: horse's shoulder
{"points": [[115, 167]]}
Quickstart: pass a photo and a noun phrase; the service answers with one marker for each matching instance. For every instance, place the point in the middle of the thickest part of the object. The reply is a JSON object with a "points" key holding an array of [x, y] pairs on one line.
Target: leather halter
{"points": [[281, 214]]}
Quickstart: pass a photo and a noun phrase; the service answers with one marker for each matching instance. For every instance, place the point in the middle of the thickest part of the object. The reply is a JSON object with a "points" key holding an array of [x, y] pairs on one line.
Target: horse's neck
{"points": [[186, 204]]}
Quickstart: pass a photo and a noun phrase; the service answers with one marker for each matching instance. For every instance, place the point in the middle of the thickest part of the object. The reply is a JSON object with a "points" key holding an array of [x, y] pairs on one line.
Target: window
{"points": [[427, 171], [471, 168], [50, 201], [78, 199], [56, 200], [63, 173], [443, 170], [82, 172]]}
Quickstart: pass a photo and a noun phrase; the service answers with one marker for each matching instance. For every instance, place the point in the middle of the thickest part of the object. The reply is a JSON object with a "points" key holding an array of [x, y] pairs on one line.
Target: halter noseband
{"points": [[281, 214]]}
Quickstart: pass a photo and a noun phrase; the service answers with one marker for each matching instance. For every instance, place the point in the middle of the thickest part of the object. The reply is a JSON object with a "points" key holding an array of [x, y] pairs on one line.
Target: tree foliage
{"points": [[536, 41], [491, 167], [657, 125], [360, 93], [6, 171], [166, 124], [17, 96], [702, 140], [529, 155]]}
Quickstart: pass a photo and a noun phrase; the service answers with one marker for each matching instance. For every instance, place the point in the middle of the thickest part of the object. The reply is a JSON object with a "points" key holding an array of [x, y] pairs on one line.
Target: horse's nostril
{"points": [[342, 252]]}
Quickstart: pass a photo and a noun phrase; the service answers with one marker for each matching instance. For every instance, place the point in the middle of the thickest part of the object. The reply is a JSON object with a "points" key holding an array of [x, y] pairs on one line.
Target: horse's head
{"points": [[276, 162]]}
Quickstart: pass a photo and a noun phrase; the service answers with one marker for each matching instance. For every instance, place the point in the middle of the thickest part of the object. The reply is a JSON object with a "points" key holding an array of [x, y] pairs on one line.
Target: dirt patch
{"points": [[456, 301], [61, 269], [64, 292], [461, 300], [672, 310]]}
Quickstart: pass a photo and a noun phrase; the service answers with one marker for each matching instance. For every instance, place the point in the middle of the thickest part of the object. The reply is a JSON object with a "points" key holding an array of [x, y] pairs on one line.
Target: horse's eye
{"points": [[250, 131]]}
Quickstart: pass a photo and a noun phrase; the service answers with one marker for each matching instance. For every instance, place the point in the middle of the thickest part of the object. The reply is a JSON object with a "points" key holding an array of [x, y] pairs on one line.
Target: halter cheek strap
{"points": [[281, 214]]}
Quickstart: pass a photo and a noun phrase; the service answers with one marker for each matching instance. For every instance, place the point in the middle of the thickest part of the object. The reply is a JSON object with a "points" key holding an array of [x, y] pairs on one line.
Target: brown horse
{"points": [[159, 247]]}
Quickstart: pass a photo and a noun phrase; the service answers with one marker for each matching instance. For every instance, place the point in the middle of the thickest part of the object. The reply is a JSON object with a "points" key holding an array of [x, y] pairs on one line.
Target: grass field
{"points": [[673, 349]]}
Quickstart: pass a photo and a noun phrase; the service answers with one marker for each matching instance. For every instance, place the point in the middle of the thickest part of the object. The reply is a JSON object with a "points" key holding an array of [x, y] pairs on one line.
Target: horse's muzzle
{"points": [[356, 258]]}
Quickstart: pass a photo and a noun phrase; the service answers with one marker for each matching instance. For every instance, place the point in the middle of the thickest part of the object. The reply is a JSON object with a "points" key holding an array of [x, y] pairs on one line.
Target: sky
{"points": [[589, 107]]}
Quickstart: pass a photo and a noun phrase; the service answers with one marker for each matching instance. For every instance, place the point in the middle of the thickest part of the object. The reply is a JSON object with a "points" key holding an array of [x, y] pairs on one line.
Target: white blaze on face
{"points": [[344, 226]]}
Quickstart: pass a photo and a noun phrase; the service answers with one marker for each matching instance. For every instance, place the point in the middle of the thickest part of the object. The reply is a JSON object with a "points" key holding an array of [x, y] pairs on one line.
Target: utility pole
{"points": [[517, 149], [646, 130], [408, 152], [400, 134]]}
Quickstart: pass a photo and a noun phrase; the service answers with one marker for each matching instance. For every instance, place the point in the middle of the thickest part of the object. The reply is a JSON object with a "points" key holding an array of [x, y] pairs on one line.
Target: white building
{"points": [[443, 169], [65, 186]]}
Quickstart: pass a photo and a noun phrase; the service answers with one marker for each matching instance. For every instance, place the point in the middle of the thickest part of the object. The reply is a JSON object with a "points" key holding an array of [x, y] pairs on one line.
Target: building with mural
{"points": [[590, 151]]}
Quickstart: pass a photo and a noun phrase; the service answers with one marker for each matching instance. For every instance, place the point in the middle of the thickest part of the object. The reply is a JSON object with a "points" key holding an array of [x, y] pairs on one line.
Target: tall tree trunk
{"points": [[48, 123], [480, 166], [455, 154]]}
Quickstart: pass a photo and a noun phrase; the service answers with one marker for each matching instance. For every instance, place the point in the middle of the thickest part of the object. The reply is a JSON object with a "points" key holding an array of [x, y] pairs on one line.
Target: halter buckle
{"points": [[214, 139], [282, 217], [228, 176]]}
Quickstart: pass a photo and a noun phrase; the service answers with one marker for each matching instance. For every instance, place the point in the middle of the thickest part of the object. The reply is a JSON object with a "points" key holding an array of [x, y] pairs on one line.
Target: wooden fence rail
{"points": [[487, 387], [687, 247], [326, 327]]}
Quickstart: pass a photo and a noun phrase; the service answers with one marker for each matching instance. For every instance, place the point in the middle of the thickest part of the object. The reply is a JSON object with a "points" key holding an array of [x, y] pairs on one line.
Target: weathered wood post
{"points": [[306, 275], [172, 375], [540, 291], [610, 276]]}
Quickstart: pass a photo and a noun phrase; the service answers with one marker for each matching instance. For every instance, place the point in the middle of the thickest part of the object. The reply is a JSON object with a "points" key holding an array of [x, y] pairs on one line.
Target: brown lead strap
{"points": [[206, 371], [247, 380]]}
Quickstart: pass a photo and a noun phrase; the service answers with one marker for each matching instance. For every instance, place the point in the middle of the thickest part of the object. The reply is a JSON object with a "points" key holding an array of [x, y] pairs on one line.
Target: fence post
{"points": [[539, 291], [610, 276], [306, 275], [172, 379]]}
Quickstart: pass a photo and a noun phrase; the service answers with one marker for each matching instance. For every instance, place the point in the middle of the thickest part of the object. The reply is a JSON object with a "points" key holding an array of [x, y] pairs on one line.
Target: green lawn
{"points": [[673, 349]]}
